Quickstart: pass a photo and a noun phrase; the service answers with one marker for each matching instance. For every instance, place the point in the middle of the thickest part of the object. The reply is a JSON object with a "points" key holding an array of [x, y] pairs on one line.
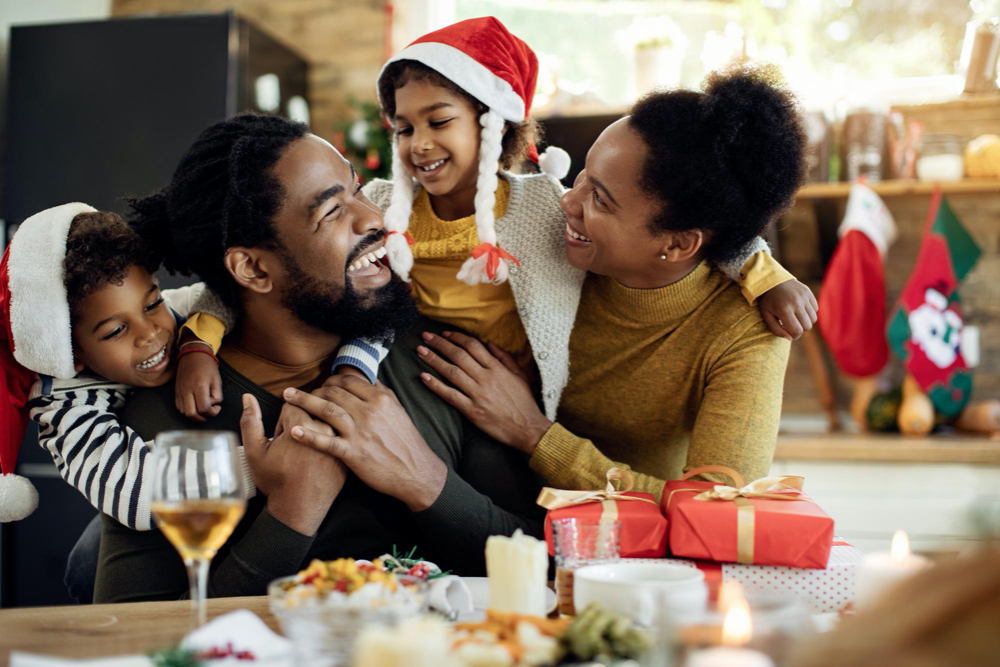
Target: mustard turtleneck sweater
{"points": [[665, 380]]}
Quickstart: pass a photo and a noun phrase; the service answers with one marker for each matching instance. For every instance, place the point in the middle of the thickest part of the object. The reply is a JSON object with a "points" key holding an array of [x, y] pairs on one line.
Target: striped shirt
{"points": [[108, 462]]}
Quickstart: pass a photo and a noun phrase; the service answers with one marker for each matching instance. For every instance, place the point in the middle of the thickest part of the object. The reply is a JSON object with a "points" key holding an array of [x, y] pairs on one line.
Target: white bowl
{"points": [[637, 590]]}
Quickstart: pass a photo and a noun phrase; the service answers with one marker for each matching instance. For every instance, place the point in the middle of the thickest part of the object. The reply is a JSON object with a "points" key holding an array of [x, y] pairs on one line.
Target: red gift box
{"points": [[644, 528], [768, 522]]}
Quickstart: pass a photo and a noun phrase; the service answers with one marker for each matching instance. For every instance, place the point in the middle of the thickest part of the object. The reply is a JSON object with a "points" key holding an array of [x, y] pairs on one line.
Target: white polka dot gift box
{"points": [[822, 590]]}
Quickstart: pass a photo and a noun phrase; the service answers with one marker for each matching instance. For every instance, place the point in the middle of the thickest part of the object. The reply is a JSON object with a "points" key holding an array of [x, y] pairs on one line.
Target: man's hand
{"points": [[198, 387], [300, 483], [489, 389], [789, 309], [374, 437]]}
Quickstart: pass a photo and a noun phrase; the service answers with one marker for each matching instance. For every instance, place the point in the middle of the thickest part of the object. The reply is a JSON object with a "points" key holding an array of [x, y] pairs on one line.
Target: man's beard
{"points": [[384, 314]]}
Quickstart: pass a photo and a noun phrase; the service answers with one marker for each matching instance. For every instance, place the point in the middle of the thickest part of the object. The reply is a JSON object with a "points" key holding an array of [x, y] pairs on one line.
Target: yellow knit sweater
{"points": [[664, 380], [440, 247]]}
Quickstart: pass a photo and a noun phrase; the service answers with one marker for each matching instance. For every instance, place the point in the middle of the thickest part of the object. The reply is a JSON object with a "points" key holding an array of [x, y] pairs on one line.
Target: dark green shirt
{"points": [[489, 490]]}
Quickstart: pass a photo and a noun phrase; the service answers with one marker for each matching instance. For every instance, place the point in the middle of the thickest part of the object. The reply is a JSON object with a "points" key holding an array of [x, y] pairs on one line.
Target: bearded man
{"points": [[272, 218]]}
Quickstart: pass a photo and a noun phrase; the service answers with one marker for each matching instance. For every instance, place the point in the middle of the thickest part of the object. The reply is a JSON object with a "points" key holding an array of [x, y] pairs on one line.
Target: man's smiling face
{"points": [[335, 275], [325, 220]]}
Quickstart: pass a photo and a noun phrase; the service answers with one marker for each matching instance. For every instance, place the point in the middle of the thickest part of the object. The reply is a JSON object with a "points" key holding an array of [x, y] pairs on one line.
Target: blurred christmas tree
{"points": [[366, 142]]}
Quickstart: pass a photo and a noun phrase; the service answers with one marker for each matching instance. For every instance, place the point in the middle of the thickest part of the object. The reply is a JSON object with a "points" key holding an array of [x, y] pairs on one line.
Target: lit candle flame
{"points": [[900, 549], [737, 627]]}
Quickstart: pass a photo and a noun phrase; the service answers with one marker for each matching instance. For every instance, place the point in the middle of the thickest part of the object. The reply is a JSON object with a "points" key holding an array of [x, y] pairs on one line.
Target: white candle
{"points": [[518, 568], [729, 656], [881, 571], [737, 628]]}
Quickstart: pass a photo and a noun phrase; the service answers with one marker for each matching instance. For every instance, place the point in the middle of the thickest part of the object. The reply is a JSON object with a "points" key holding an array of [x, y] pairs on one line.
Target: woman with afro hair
{"points": [[671, 368]]}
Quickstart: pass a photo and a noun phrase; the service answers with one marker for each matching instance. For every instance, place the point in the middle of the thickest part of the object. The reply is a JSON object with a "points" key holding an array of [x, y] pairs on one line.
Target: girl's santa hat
{"points": [[35, 337], [498, 69]]}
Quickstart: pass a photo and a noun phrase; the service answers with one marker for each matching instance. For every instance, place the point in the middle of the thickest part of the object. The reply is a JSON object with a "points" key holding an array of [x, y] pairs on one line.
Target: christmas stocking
{"points": [[926, 329], [852, 298]]}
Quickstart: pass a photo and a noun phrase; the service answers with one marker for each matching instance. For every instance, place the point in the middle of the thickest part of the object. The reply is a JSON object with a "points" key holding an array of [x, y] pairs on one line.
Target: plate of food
{"points": [[504, 639]]}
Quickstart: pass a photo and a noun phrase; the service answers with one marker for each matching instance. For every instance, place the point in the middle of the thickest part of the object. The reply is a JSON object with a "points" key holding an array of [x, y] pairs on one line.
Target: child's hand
{"points": [[789, 309], [346, 369], [198, 387]]}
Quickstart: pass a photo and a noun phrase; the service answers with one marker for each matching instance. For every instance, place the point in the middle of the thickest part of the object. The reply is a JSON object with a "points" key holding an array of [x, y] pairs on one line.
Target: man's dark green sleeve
{"points": [[490, 489]]}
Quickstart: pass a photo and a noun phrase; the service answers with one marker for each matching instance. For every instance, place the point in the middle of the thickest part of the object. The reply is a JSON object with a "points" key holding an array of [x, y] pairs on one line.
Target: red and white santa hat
{"points": [[485, 60], [35, 337]]}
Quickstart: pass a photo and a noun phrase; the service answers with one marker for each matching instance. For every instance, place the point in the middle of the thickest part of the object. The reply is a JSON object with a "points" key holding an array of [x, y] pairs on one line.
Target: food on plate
{"points": [[347, 582], [601, 635], [410, 565], [502, 640]]}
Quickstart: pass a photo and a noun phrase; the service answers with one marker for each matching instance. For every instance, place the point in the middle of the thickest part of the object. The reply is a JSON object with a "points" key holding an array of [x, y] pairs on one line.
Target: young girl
{"points": [[483, 247]]}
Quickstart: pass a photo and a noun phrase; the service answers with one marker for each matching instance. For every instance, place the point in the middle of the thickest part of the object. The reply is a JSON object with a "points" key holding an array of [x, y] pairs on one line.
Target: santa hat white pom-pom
{"points": [[18, 498], [474, 271], [555, 162], [400, 255]]}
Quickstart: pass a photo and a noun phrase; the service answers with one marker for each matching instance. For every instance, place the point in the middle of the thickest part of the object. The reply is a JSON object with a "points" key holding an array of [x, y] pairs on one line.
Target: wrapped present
{"points": [[767, 522], [644, 529], [831, 589]]}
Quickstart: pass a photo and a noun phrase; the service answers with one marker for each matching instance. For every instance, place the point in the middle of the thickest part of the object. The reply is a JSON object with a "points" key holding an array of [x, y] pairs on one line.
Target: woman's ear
{"points": [[682, 246], [248, 267]]}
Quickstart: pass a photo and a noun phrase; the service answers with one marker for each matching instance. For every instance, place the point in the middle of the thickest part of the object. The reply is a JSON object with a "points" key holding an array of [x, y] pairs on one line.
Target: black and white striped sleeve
{"points": [[105, 461]]}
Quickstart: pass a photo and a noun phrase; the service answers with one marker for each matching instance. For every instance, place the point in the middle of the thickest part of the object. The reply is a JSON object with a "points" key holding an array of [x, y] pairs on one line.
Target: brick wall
{"points": [[343, 40]]}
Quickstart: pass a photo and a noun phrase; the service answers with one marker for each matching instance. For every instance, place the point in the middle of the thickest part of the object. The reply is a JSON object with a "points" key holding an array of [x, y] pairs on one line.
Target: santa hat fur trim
{"points": [[39, 308], [467, 72]]}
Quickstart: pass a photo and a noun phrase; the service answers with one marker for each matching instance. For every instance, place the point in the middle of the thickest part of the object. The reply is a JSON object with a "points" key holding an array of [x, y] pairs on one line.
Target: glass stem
{"points": [[198, 579]]}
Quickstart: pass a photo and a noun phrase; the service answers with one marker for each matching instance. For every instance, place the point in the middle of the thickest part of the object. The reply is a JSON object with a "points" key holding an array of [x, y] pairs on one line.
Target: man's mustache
{"points": [[363, 246]]}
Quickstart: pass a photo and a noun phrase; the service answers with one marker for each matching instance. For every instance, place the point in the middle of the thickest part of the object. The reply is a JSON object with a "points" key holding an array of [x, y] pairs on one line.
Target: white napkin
{"points": [[449, 594], [246, 632]]}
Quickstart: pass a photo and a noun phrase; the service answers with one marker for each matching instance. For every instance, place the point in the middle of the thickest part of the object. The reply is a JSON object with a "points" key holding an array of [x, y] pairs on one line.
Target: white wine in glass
{"points": [[198, 498]]}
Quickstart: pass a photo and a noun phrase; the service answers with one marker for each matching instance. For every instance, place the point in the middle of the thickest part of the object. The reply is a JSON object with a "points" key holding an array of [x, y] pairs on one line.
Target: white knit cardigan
{"points": [[546, 288]]}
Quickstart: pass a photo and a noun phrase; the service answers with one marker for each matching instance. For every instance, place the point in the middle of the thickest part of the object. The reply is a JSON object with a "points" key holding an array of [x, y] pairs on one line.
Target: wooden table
{"points": [[104, 630]]}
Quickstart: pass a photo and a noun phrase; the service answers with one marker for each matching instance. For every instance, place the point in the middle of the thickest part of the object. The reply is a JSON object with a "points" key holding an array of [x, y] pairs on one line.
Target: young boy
{"points": [[104, 327]]}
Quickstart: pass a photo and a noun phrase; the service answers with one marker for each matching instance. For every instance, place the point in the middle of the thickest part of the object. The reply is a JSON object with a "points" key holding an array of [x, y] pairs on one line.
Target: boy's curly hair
{"points": [[727, 161], [516, 139], [100, 250]]}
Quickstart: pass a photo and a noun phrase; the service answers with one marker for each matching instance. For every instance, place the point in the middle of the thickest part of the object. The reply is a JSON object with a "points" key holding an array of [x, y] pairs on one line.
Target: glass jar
{"points": [[941, 158], [324, 629]]}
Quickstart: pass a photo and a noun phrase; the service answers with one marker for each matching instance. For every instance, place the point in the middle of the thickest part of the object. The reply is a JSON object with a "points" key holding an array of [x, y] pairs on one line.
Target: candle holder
{"points": [[757, 630], [880, 572]]}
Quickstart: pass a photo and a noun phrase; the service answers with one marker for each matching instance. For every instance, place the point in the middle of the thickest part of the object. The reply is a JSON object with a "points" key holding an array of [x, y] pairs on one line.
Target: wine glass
{"points": [[198, 498]]}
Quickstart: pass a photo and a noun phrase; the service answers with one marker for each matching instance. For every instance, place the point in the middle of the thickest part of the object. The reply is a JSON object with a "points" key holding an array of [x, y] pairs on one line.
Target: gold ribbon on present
{"points": [[554, 499], [779, 487]]}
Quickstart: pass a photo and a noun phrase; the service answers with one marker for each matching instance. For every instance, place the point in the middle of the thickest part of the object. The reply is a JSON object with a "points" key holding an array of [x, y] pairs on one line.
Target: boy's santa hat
{"points": [[485, 60], [35, 336]]}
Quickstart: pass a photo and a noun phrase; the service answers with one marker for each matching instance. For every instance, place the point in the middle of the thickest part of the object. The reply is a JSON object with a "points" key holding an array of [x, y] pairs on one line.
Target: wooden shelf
{"points": [[900, 188], [980, 450]]}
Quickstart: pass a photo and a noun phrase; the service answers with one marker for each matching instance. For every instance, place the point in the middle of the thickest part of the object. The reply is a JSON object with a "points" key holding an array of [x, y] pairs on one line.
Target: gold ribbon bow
{"points": [[780, 487], [554, 499]]}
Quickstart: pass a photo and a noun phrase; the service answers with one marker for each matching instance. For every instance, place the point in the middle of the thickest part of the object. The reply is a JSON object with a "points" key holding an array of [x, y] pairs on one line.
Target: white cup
{"points": [[636, 590]]}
